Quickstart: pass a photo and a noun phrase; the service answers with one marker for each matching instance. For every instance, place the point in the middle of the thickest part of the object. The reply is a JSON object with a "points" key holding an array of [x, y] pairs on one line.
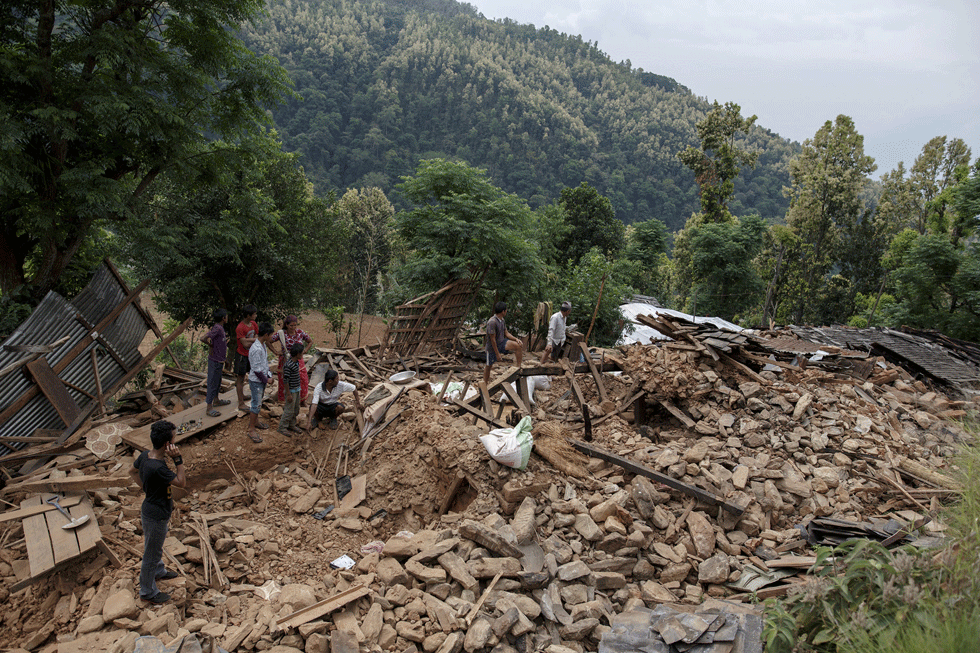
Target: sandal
{"points": [[213, 413], [262, 425], [254, 437], [222, 402]]}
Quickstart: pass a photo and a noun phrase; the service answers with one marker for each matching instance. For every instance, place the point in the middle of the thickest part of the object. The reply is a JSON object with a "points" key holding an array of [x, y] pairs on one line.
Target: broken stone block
{"points": [[587, 528], [523, 522], [702, 534], [121, 605], [573, 570], [653, 593], [477, 635], [714, 570], [490, 567]]}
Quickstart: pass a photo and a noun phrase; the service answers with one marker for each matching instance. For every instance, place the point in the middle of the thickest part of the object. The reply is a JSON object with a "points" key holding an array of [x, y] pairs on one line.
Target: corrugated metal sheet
{"points": [[932, 359], [55, 318]]}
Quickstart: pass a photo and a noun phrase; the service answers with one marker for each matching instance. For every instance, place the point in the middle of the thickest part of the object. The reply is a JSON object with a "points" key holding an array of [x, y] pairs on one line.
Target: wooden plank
{"points": [[98, 382], [88, 534], [64, 543], [324, 607], [40, 555], [595, 373], [494, 387], [353, 498], [485, 399], [139, 438], [522, 390], [515, 398], [480, 414], [51, 386], [643, 470], [678, 413], [762, 360], [21, 513], [71, 485], [745, 368], [576, 390]]}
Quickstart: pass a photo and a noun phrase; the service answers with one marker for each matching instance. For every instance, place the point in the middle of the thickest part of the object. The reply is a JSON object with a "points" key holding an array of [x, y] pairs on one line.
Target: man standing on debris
{"points": [[245, 334], [258, 377], [556, 334], [325, 400], [217, 341], [500, 340], [151, 472]]}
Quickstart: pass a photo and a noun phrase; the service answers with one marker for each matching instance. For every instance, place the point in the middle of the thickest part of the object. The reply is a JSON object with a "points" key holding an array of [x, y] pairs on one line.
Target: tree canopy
{"points": [[255, 235], [97, 100]]}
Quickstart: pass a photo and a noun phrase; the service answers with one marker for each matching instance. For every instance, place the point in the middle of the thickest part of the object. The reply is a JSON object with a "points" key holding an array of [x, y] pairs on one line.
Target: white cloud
{"points": [[905, 70]]}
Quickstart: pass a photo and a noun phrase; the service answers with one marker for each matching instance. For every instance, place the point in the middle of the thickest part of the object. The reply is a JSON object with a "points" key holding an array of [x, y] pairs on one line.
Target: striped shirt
{"points": [[290, 375]]}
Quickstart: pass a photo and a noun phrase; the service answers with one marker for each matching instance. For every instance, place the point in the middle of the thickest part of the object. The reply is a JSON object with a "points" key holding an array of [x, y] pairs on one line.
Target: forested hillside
{"points": [[387, 83]]}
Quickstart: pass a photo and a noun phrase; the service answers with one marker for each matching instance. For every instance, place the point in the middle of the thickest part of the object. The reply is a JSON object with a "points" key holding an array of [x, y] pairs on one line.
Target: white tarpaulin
{"points": [[645, 335]]}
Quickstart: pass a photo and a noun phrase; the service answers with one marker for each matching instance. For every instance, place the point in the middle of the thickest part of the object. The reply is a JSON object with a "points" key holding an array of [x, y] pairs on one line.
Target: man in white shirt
{"points": [[326, 397], [556, 333], [258, 376]]}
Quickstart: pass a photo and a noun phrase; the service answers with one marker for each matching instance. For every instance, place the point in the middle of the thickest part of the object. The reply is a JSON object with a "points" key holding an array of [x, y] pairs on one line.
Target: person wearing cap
{"points": [[556, 333]]}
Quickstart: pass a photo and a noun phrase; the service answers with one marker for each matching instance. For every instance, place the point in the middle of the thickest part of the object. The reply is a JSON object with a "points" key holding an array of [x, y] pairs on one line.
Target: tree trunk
{"points": [[13, 251]]}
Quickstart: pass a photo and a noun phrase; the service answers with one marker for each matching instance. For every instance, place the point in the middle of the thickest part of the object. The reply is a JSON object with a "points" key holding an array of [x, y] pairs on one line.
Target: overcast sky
{"points": [[904, 70]]}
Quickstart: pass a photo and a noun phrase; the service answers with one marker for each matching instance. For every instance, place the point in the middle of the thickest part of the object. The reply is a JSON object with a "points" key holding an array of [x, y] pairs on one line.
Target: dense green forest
{"points": [[423, 143], [384, 83]]}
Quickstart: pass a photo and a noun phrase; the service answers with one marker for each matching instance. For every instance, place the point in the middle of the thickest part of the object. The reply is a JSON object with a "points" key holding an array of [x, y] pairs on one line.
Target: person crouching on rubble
{"points": [[258, 360], [151, 472], [500, 341], [325, 400]]}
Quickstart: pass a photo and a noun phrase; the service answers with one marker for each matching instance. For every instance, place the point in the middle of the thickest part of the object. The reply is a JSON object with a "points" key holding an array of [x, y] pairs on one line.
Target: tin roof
{"points": [[116, 349]]}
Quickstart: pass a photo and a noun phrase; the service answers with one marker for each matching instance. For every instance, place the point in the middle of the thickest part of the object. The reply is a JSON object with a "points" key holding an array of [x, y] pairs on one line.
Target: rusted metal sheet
{"points": [[23, 408]]}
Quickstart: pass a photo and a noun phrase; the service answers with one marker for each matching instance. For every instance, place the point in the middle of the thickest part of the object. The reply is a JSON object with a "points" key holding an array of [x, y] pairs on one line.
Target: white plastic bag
{"points": [[540, 382], [510, 447]]}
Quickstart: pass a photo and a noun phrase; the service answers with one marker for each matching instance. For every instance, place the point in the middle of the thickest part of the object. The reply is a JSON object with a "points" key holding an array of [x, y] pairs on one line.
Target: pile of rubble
{"points": [[725, 446]]}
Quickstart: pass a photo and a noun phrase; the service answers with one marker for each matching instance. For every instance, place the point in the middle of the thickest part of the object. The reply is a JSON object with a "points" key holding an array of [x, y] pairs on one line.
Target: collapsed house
{"points": [[669, 484]]}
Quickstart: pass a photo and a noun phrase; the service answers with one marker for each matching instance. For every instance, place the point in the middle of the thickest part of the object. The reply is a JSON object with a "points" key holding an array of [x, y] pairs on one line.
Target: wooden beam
{"points": [[70, 484], [595, 373], [480, 414], [317, 610], [50, 385], [98, 381], [643, 470], [678, 413], [576, 390], [515, 399]]}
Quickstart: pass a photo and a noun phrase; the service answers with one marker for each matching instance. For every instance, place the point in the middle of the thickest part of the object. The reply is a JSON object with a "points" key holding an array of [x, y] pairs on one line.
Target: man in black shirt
{"points": [[151, 472]]}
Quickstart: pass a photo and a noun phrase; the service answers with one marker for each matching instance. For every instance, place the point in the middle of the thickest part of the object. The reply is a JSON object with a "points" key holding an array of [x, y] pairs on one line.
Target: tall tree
{"points": [[592, 223], [97, 99], [726, 280], [256, 235], [932, 174], [825, 198], [366, 216], [717, 162], [462, 224]]}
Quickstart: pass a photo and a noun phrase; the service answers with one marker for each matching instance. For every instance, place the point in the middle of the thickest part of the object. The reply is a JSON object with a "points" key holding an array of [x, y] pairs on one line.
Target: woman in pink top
{"points": [[280, 344]]}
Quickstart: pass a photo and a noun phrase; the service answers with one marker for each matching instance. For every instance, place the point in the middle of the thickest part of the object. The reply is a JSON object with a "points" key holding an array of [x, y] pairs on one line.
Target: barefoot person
{"points": [[151, 472], [245, 334], [556, 334], [500, 340], [258, 377], [217, 341], [326, 396]]}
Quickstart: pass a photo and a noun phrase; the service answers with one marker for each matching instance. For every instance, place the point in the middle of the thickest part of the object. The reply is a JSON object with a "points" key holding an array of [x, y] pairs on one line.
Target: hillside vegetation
{"points": [[384, 84]]}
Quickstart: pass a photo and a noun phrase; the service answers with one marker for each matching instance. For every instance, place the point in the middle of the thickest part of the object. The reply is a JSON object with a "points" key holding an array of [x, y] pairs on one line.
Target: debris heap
{"points": [[727, 447]]}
